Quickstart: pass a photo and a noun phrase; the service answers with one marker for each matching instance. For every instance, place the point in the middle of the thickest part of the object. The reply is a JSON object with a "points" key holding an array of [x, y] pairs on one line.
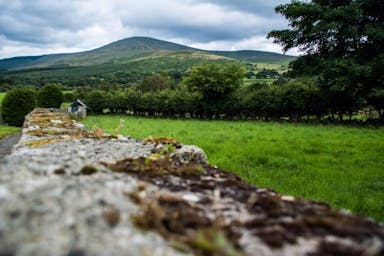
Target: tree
{"points": [[50, 96], [301, 97], [215, 82], [343, 44], [96, 101], [265, 102], [16, 105], [376, 100], [155, 82], [68, 97]]}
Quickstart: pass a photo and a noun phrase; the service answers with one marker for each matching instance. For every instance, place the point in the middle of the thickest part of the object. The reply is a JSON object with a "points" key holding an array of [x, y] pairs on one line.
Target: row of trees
{"points": [[209, 91], [295, 99]]}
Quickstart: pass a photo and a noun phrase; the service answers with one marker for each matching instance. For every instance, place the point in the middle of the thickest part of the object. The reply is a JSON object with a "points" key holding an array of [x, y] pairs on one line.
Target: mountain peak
{"points": [[133, 49], [140, 43]]}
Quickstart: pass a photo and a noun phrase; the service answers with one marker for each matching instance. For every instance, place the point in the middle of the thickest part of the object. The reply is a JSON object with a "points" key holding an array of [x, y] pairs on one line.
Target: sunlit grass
{"points": [[343, 166]]}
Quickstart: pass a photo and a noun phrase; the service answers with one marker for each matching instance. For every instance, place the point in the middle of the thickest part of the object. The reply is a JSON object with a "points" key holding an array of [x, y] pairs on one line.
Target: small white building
{"points": [[78, 108]]}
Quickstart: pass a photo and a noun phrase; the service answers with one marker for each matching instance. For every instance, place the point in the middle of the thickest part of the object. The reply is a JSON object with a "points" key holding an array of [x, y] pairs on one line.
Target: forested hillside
{"points": [[121, 62]]}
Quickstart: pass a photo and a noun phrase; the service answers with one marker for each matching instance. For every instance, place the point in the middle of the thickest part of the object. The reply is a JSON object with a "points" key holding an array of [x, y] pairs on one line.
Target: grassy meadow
{"points": [[343, 166]]}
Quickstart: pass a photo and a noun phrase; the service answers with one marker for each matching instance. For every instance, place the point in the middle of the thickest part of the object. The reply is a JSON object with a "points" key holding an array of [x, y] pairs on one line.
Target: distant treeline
{"points": [[216, 91], [96, 76], [296, 100]]}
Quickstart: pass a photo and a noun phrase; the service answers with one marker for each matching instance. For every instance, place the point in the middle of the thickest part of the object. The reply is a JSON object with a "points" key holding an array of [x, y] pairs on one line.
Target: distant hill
{"points": [[121, 62], [134, 49]]}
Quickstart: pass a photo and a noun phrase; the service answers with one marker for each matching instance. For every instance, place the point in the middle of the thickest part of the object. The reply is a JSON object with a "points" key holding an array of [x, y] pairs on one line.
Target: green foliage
{"points": [[268, 73], [215, 83], [376, 99], [301, 97], [122, 72], [293, 99], [50, 96], [96, 101], [343, 44], [340, 165], [264, 102], [155, 82], [2, 95], [16, 105], [215, 80], [68, 97]]}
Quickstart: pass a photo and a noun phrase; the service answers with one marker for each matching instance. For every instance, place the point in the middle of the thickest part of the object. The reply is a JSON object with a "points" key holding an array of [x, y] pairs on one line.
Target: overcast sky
{"points": [[34, 27]]}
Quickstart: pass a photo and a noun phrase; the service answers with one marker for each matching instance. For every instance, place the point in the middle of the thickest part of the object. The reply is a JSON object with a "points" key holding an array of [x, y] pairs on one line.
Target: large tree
{"points": [[343, 41], [155, 83], [215, 82], [17, 104]]}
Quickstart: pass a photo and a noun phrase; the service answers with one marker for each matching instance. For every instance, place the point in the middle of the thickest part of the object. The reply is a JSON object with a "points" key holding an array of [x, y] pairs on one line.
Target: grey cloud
{"points": [[70, 24], [225, 24], [38, 21], [206, 33], [263, 8]]}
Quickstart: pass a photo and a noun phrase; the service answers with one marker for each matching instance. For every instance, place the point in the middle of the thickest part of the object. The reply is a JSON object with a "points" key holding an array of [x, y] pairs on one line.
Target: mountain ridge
{"points": [[131, 49]]}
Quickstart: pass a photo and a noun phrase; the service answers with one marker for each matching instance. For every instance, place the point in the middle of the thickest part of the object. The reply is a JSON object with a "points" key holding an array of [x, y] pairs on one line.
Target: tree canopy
{"points": [[343, 41], [215, 80], [17, 104], [156, 82], [50, 96]]}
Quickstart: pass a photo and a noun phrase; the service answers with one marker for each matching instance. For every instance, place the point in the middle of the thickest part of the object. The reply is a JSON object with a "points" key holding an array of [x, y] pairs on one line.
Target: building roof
{"points": [[78, 102]]}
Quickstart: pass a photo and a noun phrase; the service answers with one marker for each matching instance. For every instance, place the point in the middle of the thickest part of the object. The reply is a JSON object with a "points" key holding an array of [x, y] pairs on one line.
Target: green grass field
{"points": [[6, 130], [343, 166]]}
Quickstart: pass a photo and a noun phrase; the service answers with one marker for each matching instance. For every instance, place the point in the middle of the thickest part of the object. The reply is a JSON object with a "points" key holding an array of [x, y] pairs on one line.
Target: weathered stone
{"points": [[68, 191]]}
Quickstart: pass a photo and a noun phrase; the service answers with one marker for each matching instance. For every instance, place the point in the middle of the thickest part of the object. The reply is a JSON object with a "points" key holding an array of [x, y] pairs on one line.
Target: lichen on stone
{"points": [[154, 165], [163, 141]]}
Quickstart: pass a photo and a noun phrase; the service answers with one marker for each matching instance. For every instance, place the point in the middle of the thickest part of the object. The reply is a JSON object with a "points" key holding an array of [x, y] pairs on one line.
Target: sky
{"points": [[36, 27]]}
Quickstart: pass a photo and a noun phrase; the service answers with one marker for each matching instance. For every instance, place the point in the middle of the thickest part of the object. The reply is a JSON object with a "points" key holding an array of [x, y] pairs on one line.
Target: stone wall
{"points": [[68, 191]]}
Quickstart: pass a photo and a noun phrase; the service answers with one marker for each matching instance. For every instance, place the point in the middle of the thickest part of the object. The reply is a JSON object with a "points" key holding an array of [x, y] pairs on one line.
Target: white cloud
{"points": [[260, 43], [46, 26]]}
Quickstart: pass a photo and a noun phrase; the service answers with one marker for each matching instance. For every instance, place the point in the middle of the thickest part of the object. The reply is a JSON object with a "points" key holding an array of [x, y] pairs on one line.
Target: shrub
{"points": [[16, 105], [69, 97], [50, 96], [96, 101]]}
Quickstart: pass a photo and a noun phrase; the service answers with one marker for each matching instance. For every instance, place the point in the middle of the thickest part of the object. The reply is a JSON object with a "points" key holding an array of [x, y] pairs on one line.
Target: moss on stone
{"points": [[88, 170]]}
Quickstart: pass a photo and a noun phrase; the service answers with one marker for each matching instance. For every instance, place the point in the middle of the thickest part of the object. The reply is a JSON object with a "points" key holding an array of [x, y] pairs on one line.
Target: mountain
{"points": [[134, 49], [121, 63]]}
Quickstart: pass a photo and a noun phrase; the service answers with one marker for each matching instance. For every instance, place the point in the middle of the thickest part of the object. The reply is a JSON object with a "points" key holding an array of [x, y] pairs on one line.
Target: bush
{"points": [[96, 101], [16, 105], [50, 96], [69, 97]]}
